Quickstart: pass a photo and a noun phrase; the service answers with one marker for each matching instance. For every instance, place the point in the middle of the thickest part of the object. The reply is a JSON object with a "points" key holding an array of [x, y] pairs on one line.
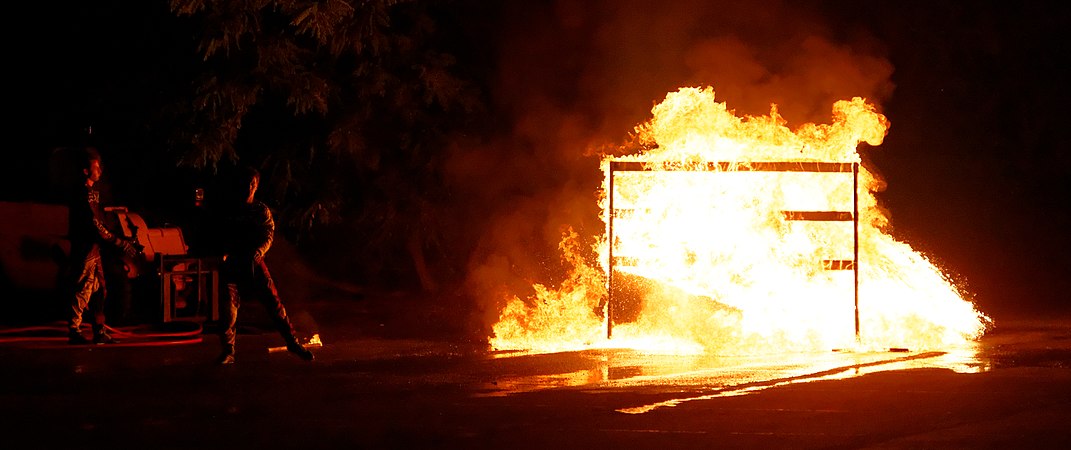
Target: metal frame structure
{"points": [[761, 166], [201, 273]]}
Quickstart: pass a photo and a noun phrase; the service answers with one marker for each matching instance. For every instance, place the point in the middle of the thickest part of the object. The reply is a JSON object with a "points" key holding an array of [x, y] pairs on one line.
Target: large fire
{"points": [[737, 235]]}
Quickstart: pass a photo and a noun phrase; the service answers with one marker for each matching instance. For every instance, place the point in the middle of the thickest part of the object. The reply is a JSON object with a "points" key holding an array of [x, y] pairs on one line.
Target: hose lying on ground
{"points": [[152, 335]]}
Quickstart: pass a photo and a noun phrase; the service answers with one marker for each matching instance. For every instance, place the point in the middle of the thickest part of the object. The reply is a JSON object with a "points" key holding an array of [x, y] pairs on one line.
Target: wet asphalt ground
{"points": [[392, 374]]}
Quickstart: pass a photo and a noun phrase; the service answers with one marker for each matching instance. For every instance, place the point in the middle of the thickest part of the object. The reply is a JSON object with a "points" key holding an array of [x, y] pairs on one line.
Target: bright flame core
{"points": [[709, 261]]}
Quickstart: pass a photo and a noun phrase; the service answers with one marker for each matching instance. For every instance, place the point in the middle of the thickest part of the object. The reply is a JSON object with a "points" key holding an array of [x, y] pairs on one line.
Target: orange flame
{"points": [[717, 261]]}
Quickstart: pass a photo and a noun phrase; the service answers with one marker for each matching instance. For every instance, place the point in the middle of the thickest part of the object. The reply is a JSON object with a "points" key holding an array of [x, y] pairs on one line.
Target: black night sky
{"points": [[976, 160]]}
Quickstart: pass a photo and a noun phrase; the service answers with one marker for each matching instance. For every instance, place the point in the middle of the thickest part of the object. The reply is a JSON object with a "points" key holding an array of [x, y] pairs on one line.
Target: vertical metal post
{"points": [[165, 290], [200, 277], [610, 253], [214, 295], [855, 230]]}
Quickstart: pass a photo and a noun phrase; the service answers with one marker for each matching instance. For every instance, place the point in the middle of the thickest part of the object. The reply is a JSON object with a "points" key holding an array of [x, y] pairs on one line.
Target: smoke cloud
{"points": [[573, 78]]}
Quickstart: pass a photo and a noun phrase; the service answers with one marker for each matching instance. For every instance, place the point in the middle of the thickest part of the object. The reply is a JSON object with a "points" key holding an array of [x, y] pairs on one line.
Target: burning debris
{"points": [[737, 235]]}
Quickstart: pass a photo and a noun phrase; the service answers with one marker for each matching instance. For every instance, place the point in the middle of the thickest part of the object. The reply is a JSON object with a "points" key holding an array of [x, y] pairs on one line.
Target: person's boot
{"points": [[226, 356], [299, 350], [100, 337], [74, 337]]}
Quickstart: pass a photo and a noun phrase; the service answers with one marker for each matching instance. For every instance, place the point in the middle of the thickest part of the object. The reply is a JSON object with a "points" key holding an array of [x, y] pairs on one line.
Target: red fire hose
{"points": [[55, 335]]}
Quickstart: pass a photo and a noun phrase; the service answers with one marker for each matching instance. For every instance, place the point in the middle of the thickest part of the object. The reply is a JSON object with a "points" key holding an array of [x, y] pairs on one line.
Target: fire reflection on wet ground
{"points": [[702, 377], [707, 376]]}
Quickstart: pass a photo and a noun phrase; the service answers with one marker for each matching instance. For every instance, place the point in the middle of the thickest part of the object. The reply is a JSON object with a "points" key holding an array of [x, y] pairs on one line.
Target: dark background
{"points": [[976, 159]]}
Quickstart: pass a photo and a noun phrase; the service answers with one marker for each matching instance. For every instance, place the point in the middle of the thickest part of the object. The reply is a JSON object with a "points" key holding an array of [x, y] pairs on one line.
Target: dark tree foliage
{"points": [[344, 106]]}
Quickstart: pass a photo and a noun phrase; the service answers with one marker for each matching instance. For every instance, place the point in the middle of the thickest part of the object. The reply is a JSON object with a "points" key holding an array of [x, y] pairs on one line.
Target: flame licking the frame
{"points": [[707, 258]]}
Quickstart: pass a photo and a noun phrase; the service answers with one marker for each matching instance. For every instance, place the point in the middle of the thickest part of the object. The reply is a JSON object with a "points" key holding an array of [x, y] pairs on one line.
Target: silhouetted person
{"points": [[247, 233], [87, 231]]}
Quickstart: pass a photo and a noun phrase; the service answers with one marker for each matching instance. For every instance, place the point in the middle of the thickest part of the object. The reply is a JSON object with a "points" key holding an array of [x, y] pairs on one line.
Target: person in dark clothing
{"points": [[247, 234], [87, 232]]}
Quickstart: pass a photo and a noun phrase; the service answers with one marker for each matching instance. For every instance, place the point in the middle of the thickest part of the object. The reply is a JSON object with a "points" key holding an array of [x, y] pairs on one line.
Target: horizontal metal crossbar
{"points": [[827, 264], [728, 166], [819, 216], [626, 213], [838, 264], [814, 216]]}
